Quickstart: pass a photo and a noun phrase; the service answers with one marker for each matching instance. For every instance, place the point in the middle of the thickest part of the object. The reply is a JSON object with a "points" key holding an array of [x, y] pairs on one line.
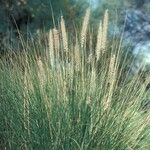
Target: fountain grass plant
{"points": [[72, 95]]}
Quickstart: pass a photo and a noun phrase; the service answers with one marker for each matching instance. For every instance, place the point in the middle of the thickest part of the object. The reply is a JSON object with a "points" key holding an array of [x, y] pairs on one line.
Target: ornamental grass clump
{"points": [[65, 96]]}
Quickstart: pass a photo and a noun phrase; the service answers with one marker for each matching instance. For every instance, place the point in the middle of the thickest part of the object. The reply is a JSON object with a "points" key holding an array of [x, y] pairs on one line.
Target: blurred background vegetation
{"points": [[40, 14], [30, 16], [37, 14]]}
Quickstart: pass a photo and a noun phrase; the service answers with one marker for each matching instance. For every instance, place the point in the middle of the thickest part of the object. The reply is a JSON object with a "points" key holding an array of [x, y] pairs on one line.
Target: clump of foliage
{"points": [[71, 94]]}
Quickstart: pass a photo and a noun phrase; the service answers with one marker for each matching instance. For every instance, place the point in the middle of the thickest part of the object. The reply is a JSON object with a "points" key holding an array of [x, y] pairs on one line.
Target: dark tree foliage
{"points": [[36, 14], [31, 15]]}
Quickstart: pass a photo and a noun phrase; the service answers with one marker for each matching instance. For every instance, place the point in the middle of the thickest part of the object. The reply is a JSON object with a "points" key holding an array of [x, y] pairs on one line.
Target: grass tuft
{"points": [[83, 100]]}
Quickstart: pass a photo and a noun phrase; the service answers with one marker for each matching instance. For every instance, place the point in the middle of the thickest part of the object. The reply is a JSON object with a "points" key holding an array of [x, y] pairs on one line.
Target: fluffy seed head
{"points": [[56, 40], [51, 46], [64, 34], [105, 28], [111, 81], [77, 57], [112, 69], [85, 27], [41, 72], [99, 41]]}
